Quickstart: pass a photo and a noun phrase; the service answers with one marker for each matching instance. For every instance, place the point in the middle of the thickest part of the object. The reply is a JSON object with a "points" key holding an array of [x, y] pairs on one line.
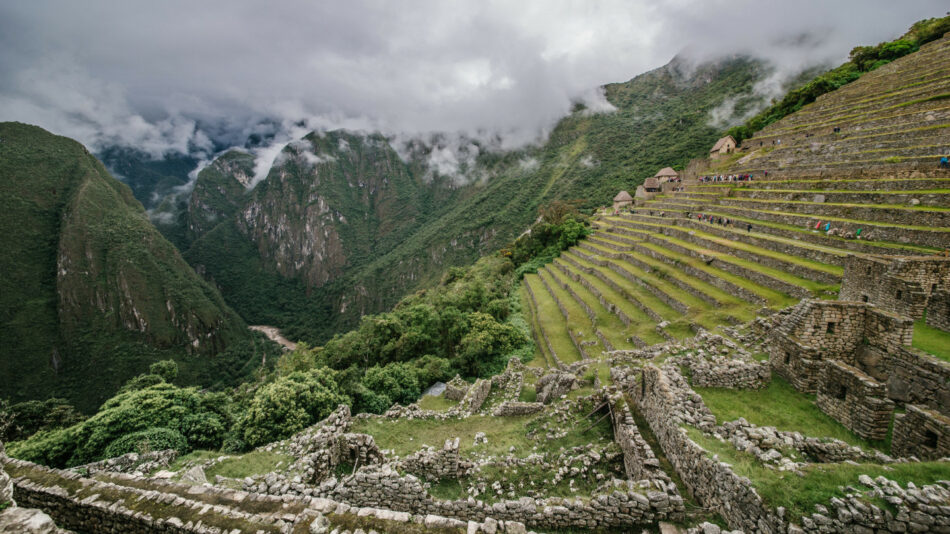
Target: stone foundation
{"points": [[855, 400], [922, 433]]}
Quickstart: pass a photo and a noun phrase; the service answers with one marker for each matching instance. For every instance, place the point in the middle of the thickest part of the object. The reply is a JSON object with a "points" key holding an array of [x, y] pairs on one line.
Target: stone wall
{"points": [[729, 373], [903, 285], [666, 405], [922, 433], [817, 331], [855, 400], [437, 464], [476, 395], [623, 507], [456, 389], [938, 310], [914, 376], [515, 408], [638, 459]]}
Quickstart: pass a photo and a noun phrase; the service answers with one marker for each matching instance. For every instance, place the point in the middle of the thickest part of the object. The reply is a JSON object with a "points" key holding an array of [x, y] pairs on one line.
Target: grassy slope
{"points": [[67, 334]]}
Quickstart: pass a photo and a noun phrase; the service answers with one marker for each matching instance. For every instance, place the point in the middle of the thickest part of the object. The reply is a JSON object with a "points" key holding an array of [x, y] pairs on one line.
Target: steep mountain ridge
{"points": [[91, 292], [359, 227]]}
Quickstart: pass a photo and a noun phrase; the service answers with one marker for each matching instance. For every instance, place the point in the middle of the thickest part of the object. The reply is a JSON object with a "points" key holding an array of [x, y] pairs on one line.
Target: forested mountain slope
{"points": [[91, 293], [342, 219]]}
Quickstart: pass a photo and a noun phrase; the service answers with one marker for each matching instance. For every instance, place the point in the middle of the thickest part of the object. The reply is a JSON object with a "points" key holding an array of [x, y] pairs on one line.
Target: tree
{"points": [[290, 404], [398, 381], [483, 348], [167, 369]]}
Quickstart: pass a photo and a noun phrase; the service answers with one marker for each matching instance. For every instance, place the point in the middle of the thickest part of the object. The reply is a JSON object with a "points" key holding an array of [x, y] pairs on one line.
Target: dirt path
{"points": [[273, 333]]}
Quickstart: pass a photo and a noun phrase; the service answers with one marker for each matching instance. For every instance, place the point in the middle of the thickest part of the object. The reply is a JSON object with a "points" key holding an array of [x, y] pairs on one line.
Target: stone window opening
{"points": [[788, 358], [899, 294], [839, 392], [864, 298], [933, 288], [930, 439], [830, 329]]}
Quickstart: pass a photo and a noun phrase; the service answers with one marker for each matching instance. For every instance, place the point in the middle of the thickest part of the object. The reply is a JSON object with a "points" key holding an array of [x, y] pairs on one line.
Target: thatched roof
{"points": [[651, 183], [623, 196], [721, 142], [666, 172]]}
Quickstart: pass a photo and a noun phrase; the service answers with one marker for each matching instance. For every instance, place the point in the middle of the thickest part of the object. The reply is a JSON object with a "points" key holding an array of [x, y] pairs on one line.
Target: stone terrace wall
{"points": [[914, 376], [922, 433], [713, 483], [729, 373], [902, 285], [624, 507], [855, 400], [638, 458], [938, 310]]}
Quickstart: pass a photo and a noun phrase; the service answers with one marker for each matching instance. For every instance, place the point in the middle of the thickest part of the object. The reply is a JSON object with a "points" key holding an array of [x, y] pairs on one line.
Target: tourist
{"points": [[749, 228], [944, 164]]}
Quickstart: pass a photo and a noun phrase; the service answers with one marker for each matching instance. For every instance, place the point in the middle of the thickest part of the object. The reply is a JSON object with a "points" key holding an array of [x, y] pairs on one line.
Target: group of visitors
{"points": [[729, 177]]}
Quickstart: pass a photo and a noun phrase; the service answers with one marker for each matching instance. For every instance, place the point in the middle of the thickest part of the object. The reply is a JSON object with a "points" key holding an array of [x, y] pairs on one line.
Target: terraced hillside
{"points": [[893, 118], [712, 251]]}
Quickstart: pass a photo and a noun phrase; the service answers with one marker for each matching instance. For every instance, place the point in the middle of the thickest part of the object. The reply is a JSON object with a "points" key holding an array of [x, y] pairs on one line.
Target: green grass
{"points": [[437, 403], [578, 321], [607, 323], [405, 436], [551, 321], [821, 482], [781, 406], [932, 340], [256, 462]]}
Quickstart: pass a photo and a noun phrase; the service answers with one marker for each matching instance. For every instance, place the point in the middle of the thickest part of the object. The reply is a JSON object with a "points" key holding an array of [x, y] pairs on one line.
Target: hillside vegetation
{"points": [[91, 293]]}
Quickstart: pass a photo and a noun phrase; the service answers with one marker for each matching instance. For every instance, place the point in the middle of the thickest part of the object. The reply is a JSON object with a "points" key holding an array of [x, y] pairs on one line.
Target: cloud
{"points": [[192, 77]]}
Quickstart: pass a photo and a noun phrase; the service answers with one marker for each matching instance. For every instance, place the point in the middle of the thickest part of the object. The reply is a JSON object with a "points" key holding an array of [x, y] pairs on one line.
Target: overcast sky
{"points": [[145, 73]]}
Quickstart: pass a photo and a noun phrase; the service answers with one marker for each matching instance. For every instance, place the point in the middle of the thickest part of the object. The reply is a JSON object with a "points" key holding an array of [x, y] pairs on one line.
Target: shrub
{"points": [[290, 404], [167, 369], [160, 406], [398, 381], [152, 439]]}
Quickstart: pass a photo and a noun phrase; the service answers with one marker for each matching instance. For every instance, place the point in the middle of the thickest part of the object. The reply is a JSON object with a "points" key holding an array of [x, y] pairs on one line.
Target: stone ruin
{"points": [[902, 285]]}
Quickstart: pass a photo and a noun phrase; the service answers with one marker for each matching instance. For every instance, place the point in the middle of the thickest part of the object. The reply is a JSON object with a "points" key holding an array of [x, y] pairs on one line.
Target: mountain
{"points": [[91, 292], [343, 226]]}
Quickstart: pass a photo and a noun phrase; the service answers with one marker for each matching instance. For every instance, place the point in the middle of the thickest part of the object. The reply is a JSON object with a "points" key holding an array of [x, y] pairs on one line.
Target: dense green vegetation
{"points": [[91, 293], [862, 59]]}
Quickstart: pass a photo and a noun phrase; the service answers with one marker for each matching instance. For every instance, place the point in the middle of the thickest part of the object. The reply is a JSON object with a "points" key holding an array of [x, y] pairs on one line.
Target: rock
{"points": [[514, 527], [320, 525], [28, 521], [195, 475]]}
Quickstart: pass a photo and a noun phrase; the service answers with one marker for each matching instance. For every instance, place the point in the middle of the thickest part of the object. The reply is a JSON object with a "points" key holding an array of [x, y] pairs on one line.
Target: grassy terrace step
{"points": [[809, 235], [915, 91], [657, 276], [679, 299], [770, 277], [829, 184], [613, 333], [924, 237], [918, 235], [620, 302], [579, 326], [932, 340], [925, 197], [553, 327], [925, 84], [935, 213], [827, 254], [803, 267], [542, 355], [604, 266], [899, 126]]}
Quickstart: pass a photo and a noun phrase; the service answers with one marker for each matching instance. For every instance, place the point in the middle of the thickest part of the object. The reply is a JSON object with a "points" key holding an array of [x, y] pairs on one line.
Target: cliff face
{"points": [[88, 282]]}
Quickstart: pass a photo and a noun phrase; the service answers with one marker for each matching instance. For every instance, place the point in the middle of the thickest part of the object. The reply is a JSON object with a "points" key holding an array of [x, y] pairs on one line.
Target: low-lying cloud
{"points": [[194, 77]]}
